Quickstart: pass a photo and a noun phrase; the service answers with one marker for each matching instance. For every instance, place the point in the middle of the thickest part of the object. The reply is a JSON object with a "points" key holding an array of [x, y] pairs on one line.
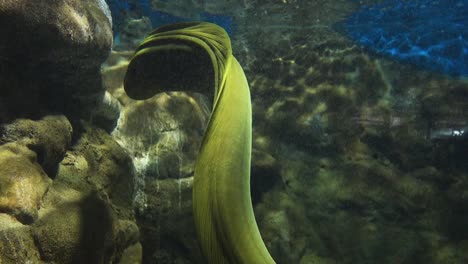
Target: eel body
{"points": [[197, 57]]}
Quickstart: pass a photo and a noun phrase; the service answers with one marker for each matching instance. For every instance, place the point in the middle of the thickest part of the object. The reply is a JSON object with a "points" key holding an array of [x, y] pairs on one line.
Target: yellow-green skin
{"points": [[198, 57]]}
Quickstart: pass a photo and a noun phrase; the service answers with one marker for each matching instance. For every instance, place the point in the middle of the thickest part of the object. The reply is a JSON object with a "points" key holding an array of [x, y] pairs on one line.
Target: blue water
{"points": [[427, 33], [430, 34], [119, 9]]}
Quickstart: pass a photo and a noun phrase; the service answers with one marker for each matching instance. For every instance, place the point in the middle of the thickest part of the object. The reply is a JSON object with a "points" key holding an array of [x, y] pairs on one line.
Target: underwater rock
{"points": [[133, 31], [316, 92], [167, 229], [17, 243], [362, 154], [163, 134], [264, 174], [113, 72], [57, 32], [87, 215], [132, 255], [127, 235], [312, 258], [49, 137], [23, 183], [105, 9], [78, 228], [106, 112], [99, 162], [77, 232], [53, 53]]}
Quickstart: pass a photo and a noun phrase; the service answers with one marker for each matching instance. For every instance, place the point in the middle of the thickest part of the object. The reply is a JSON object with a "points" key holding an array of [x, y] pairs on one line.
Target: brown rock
{"points": [[132, 255], [52, 31], [50, 55], [163, 134], [17, 243], [77, 232], [98, 162], [49, 138], [23, 183]]}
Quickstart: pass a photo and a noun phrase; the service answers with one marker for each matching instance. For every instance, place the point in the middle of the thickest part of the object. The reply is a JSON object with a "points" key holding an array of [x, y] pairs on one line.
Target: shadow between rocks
{"points": [[77, 232]]}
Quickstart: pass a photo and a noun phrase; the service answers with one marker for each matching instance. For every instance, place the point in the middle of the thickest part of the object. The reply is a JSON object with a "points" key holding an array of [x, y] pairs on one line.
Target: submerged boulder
{"points": [[17, 243], [57, 32], [98, 162], [23, 183], [49, 138], [163, 134], [57, 203], [50, 55], [87, 215], [77, 232]]}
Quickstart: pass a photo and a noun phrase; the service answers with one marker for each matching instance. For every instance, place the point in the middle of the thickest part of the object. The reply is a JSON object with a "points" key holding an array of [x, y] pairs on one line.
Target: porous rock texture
{"points": [[49, 137], [66, 186], [85, 213], [162, 136], [51, 51], [30, 151], [23, 183]]}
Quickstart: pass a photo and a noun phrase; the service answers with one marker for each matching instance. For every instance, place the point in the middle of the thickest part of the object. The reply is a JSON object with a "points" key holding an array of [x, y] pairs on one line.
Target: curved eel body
{"points": [[198, 57]]}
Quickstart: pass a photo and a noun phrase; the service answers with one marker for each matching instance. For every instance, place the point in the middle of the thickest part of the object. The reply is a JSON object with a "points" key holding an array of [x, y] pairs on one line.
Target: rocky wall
{"points": [[66, 186]]}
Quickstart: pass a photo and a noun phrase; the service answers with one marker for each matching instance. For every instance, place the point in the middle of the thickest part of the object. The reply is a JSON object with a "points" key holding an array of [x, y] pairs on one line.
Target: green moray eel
{"points": [[198, 57]]}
